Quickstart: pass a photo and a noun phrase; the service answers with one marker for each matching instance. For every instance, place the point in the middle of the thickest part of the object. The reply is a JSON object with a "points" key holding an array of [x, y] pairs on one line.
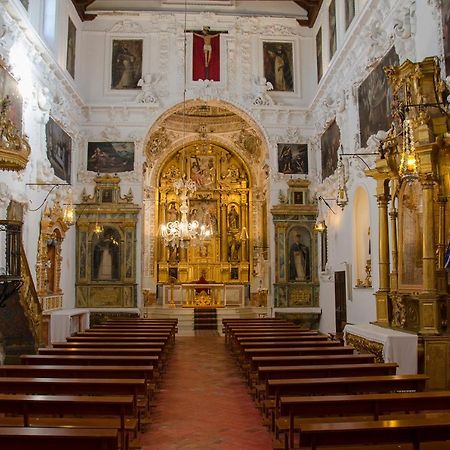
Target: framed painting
{"points": [[278, 65], [59, 149], [329, 144], [293, 158], [446, 33], [298, 256], [349, 12], [332, 27], [110, 157], [9, 88], [203, 171], [205, 213], [319, 61], [126, 64], [71, 42], [374, 99]]}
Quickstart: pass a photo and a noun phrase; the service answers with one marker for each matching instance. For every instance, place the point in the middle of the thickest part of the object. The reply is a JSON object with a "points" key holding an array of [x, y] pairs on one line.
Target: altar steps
{"points": [[205, 319]]}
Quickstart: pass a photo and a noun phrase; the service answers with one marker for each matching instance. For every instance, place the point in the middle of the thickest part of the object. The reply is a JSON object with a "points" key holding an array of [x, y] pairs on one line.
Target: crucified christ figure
{"points": [[207, 48]]}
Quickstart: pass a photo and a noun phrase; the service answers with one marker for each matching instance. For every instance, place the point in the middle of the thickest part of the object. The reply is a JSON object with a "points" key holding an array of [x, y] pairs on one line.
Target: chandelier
{"points": [[179, 233], [408, 162]]}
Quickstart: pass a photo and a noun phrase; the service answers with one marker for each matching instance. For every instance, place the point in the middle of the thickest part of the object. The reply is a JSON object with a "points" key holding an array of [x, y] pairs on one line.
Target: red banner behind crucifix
{"points": [[206, 55]]}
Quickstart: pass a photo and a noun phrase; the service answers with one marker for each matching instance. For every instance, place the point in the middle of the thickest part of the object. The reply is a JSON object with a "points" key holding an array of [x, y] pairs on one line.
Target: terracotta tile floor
{"points": [[203, 403]]}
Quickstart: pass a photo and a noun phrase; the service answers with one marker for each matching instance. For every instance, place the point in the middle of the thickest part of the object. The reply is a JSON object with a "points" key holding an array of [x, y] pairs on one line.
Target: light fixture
{"points": [[407, 168], [320, 226], [98, 228], [179, 233], [342, 198]]}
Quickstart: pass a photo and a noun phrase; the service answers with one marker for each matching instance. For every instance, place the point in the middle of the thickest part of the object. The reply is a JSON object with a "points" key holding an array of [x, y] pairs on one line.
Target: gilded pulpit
{"points": [[106, 247]]}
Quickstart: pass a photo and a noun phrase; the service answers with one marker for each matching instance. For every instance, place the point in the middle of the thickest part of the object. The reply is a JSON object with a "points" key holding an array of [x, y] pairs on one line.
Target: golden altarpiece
{"points": [[106, 247], [221, 202], [296, 278], [413, 188]]}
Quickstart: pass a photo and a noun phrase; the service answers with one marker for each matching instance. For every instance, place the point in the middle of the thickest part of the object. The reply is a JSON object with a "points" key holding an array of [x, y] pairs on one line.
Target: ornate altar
{"points": [[106, 247], [413, 187], [296, 279], [49, 259], [220, 202]]}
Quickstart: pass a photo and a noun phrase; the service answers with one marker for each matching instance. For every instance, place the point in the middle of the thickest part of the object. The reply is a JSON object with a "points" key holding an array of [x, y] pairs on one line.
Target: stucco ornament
{"points": [[148, 84]]}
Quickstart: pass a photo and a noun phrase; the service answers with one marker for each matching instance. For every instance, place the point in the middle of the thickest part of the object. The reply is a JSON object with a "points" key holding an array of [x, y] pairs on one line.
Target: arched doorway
{"points": [[224, 151]]}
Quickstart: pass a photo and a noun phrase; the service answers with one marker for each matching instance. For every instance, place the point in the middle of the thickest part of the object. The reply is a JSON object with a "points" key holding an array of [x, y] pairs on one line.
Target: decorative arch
{"points": [[209, 129], [361, 238]]}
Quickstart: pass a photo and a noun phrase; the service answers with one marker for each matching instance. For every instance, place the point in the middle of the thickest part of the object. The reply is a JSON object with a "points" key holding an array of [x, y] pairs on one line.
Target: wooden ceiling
{"points": [[312, 7]]}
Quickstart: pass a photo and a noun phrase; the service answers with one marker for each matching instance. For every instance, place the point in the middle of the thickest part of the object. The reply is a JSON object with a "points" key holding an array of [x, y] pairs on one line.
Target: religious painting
{"points": [[319, 55], [332, 28], [293, 158], [206, 55], [205, 213], [299, 251], [203, 171], [9, 88], [71, 42], [106, 255], [126, 66], [374, 98], [59, 149], [411, 234], [446, 30], [278, 65], [329, 145], [110, 157], [349, 12]]}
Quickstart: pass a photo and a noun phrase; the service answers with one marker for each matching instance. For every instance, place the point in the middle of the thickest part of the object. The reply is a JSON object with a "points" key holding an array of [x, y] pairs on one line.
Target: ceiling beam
{"points": [[312, 7], [80, 6]]}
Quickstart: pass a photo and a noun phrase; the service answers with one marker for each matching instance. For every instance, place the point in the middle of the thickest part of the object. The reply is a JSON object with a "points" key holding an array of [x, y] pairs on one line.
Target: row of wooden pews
{"points": [[93, 392], [316, 393]]}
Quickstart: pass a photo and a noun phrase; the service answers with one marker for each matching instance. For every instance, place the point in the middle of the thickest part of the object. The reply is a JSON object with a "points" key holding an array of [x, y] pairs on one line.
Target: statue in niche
{"points": [[172, 212], [233, 218], [106, 265], [233, 249], [298, 260]]}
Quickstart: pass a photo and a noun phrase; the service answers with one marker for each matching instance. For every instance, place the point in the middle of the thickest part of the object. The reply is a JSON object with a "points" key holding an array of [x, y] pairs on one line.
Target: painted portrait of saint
{"points": [[374, 99], [293, 158], [278, 65], [329, 144], [203, 171], [9, 88], [332, 28], [319, 60], [126, 65], [71, 42], [59, 149]]}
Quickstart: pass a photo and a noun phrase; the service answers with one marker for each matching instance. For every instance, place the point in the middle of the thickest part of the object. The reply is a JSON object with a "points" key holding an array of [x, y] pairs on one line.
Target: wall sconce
{"points": [[98, 229], [320, 226]]}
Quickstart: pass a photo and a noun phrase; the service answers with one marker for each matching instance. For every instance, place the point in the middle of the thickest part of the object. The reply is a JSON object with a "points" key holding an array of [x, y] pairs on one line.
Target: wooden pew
{"points": [[107, 344], [414, 430], [102, 351], [292, 410], [16, 370], [19, 438], [30, 408], [123, 339]]}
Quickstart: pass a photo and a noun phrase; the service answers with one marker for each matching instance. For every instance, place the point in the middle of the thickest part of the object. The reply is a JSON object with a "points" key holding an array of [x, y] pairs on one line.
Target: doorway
{"points": [[340, 299]]}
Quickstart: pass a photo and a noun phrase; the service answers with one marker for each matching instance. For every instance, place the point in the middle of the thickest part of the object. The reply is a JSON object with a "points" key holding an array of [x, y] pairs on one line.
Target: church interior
{"points": [[203, 180]]}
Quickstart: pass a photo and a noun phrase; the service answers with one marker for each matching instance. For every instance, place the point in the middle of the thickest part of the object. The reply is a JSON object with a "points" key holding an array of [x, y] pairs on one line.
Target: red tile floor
{"points": [[203, 403]]}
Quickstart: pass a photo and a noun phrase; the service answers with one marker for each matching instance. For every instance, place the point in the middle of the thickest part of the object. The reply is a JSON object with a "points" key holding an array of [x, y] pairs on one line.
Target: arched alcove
{"points": [[361, 238], [223, 149]]}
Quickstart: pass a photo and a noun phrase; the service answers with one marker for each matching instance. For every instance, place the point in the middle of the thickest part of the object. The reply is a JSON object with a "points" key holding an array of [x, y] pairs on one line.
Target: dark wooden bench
{"points": [[123, 339], [414, 430], [19, 438], [295, 410], [29, 409], [107, 344], [102, 351]]}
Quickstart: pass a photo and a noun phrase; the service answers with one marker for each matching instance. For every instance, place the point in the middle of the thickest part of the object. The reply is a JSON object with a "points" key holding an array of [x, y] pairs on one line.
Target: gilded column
{"points": [[383, 250], [394, 251], [223, 232], [429, 258]]}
